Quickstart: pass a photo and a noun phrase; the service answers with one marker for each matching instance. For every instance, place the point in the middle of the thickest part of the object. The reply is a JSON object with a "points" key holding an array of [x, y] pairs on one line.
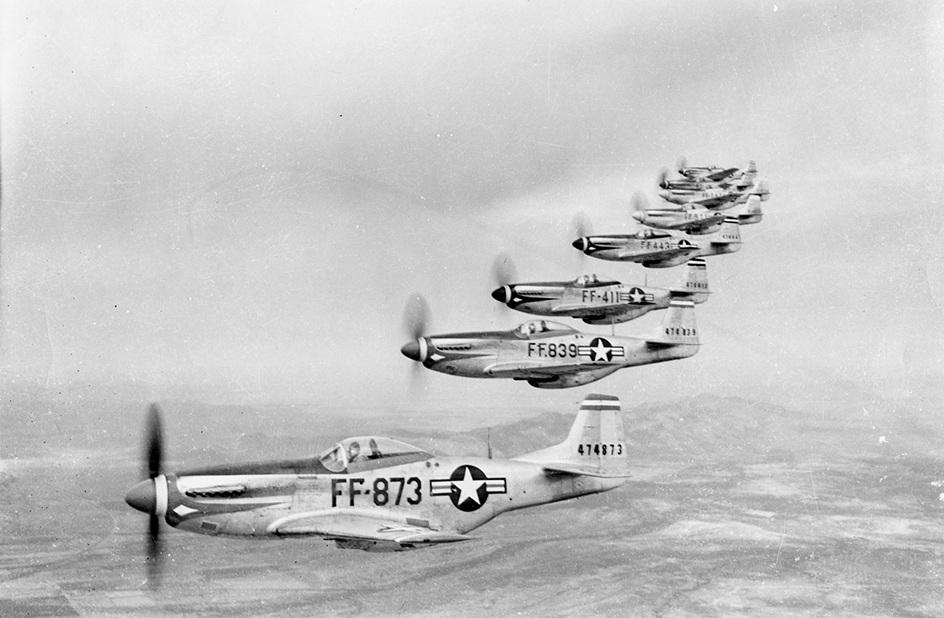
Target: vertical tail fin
{"points": [[678, 325], [596, 444], [730, 232], [693, 285], [752, 211], [761, 188]]}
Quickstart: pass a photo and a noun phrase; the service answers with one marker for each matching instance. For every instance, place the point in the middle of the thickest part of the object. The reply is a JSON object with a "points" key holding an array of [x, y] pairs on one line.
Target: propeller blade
{"points": [[639, 202], [155, 552], [581, 225], [503, 270], [154, 442], [682, 163], [154, 463], [415, 316]]}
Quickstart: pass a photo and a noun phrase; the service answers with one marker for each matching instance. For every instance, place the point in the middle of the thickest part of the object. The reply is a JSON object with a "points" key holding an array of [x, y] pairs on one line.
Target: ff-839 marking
{"points": [[550, 355]]}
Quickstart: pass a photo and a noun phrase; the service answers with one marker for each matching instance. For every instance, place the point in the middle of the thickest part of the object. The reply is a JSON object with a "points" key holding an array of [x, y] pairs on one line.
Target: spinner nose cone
{"points": [[502, 294], [580, 244], [639, 216], [413, 350], [666, 195], [142, 497]]}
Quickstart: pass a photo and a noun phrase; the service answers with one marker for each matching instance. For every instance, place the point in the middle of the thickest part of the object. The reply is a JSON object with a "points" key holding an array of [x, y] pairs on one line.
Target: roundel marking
{"points": [[601, 350], [468, 488]]}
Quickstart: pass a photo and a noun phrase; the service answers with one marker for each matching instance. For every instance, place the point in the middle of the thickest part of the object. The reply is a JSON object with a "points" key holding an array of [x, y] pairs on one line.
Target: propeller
{"points": [[155, 456], [415, 316], [681, 163], [580, 224], [640, 205], [503, 275], [503, 270], [149, 497], [663, 178], [415, 322]]}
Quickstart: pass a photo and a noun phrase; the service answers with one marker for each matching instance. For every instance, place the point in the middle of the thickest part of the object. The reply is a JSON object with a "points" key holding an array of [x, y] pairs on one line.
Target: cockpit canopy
{"points": [[369, 452], [648, 232], [585, 281], [590, 281], [541, 328]]}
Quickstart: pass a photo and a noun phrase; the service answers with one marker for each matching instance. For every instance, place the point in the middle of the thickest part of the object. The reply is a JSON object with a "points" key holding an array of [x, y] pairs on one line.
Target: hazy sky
{"points": [[237, 199]]}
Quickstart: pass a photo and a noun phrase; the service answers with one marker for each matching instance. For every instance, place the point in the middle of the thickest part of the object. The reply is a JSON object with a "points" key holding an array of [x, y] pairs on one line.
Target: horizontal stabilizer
{"points": [[564, 468]]}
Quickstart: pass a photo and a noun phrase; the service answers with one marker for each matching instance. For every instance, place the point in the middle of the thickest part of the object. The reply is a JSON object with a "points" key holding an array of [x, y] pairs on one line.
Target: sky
{"points": [[234, 201]]}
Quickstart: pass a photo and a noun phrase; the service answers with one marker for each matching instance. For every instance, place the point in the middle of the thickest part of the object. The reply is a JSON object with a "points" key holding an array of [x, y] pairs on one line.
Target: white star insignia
{"points": [[468, 488], [599, 352]]}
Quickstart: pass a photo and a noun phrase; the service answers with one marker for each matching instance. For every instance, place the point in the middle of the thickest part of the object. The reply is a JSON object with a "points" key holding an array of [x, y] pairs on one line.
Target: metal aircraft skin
{"points": [[689, 218], [662, 249], [707, 173], [716, 198], [696, 219], [551, 355], [379, 494], [714, 177], [602, 302]]}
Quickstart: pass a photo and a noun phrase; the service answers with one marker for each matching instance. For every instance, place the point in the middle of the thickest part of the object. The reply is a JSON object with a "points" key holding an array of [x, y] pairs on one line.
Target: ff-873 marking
{"points": [[379, 489], [388, 497]]}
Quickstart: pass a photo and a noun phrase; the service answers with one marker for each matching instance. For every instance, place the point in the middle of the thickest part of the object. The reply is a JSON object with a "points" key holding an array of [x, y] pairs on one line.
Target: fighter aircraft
{"points": [[693, 218], [375, 493], [657, 249], [550, 355], [719, 198], [689, 218], [709, 177], [602, 302]]}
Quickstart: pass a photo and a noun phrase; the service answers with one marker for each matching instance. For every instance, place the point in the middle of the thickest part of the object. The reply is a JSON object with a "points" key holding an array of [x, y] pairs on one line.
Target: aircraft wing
{"points": [[569, 468], [722, 201], [535, 368], [350, 525], [722, 175], [606, 309], [656, 255], [703, 225]]}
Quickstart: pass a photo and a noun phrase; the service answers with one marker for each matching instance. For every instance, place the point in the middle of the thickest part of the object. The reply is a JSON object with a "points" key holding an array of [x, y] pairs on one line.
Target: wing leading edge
{"points": [[364, 530]]}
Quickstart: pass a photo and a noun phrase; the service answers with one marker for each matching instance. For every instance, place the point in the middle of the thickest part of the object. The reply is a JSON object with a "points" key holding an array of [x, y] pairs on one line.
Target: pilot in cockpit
{"points": [[374, 450], [353, 452]]}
